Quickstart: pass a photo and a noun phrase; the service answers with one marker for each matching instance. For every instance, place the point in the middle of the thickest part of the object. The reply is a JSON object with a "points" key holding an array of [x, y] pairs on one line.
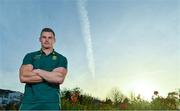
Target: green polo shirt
{"points": [[44, 91]]}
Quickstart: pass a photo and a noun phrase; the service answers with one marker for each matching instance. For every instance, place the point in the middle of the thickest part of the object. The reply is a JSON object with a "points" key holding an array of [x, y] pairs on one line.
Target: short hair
{"points": [[47, 30]]}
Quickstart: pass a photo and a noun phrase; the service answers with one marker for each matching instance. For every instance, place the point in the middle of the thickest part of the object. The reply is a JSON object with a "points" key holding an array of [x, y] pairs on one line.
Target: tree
{"points": [[116, 96]]}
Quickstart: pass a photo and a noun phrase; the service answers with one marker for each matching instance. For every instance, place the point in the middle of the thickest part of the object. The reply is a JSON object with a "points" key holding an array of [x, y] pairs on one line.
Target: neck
{"points": [[47, 51]]}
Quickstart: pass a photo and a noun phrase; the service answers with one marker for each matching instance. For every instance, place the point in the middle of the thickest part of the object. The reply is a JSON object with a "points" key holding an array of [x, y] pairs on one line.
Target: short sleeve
{"points": [[27, 59], [63, 62]]}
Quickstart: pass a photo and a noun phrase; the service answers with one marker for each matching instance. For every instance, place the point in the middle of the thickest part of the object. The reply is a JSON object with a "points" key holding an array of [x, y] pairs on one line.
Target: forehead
{"points": [[47, 34]]}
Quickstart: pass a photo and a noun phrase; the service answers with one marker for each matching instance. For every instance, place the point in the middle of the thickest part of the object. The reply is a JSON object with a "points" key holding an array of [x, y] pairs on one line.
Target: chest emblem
{"points": [[54, 57]]}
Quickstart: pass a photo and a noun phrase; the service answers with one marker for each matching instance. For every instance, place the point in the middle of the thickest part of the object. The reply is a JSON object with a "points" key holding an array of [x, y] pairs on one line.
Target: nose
{"points": [[46, 39]]}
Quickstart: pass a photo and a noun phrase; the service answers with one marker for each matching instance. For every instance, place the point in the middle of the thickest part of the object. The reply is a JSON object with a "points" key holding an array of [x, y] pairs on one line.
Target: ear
{"points": [[39, 39], [54, 39]]}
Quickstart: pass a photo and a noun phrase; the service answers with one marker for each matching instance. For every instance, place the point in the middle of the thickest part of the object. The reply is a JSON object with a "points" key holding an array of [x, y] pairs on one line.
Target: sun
{"points": [[143, 87]]}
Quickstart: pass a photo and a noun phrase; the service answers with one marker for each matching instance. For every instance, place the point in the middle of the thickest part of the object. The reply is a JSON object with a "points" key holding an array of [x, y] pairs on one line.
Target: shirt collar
{"points": [[42, 52]]}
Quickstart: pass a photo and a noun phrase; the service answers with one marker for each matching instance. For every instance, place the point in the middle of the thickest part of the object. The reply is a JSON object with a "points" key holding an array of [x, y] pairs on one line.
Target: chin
{"points": [[47, 47]]}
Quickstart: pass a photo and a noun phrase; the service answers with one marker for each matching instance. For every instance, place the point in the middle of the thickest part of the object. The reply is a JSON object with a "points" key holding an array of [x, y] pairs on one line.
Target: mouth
{"points": [[46, 43]]}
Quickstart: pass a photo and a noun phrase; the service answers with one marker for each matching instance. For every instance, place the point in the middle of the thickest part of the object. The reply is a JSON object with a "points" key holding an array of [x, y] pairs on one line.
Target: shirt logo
{"points": [[54, 57]]}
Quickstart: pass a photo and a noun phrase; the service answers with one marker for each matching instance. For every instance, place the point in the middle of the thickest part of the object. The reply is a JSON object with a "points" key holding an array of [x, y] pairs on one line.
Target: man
{"points": [[43, 71]]}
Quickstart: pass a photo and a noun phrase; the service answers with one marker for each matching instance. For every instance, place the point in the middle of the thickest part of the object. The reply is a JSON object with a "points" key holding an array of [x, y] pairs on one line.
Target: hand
{"points": [[37, 71]]}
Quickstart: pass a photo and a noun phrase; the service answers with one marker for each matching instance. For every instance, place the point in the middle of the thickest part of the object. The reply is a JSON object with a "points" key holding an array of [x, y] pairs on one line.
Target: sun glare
{"points": [[144, 88]]}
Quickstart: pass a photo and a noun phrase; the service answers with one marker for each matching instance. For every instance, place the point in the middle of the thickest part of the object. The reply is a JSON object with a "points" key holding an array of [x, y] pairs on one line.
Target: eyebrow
{"points": [[47, 36]]}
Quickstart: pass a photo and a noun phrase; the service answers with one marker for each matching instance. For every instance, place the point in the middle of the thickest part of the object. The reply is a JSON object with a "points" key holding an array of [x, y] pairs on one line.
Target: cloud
{"points": [[85, 25]]}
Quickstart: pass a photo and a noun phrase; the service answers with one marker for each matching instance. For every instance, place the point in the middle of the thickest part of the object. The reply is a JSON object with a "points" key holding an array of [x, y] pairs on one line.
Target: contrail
{"points": [[85, 25]]}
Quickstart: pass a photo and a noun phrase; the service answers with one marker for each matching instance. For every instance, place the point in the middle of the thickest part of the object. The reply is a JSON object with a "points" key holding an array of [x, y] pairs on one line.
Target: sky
{"points": [[133, 45]]}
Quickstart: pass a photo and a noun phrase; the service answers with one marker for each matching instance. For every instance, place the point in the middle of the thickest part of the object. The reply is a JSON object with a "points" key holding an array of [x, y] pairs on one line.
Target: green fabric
{"points": [[38, 106], [43, 92]]}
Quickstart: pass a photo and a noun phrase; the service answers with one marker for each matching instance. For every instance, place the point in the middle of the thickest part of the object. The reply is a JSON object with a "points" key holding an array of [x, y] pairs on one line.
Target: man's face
{"points": [[47, 40]]}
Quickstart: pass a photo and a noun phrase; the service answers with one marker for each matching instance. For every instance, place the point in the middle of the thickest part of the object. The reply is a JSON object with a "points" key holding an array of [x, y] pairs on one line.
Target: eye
{"points": [[43, 36], [50, 37]]}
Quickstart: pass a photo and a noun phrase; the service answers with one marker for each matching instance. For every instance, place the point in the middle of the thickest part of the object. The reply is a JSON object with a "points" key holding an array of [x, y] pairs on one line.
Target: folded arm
{"points": [[56, 76], [26, 75]]}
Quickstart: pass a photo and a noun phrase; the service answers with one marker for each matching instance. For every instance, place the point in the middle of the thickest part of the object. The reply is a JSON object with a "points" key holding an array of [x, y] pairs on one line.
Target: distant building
{"points": [[7, 96]]}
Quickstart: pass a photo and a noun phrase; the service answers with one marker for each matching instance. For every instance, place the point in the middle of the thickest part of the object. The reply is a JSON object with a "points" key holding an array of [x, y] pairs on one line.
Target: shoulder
{"points": [[62, 60], [60, 56], [31, 54], [28, 59]]}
